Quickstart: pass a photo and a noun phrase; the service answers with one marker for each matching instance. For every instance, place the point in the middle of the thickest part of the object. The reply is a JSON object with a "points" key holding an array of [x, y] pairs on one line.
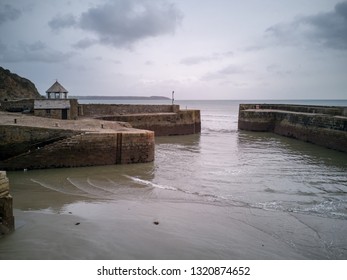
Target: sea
{"points": [[223, 194]]}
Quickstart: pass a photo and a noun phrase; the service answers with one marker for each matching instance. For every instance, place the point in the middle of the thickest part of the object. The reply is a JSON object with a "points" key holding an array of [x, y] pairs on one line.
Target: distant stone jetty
{"points": [[322, 125]]}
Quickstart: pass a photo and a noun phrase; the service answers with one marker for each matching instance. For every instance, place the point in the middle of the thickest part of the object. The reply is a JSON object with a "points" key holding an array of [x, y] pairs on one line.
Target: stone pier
{"points": [[32, 142], [322, 125], [6, 209], [164, 120]]}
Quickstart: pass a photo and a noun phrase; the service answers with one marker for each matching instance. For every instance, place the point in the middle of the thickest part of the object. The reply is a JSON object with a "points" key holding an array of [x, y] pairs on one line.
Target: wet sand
{"points": [[153, 229]]}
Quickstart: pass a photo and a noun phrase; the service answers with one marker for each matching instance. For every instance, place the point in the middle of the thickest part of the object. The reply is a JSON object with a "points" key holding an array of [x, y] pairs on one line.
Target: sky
{"points": [[201, 49]]}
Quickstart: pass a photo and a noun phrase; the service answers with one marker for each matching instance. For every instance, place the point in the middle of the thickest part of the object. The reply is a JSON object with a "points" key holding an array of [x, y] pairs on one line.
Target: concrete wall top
{"points": [[123, 109], [328, 110]]}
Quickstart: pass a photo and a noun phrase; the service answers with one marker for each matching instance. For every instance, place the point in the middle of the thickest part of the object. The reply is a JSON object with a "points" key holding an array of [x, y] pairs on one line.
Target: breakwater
{"points": [[163, 124], [92, 110], [164, 120], [322, 125], [6, 209], [29, 142], [103, 134]]}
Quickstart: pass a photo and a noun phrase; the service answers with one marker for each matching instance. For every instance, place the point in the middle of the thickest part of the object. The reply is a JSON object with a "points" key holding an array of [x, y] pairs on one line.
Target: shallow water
{"points": [[223, 194]]}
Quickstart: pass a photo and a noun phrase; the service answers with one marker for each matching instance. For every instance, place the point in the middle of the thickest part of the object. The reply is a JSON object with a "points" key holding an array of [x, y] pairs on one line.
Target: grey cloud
{"points": [[37, 52], [124, 22], [85, 43], [149, 63], [277, 70], [7, 13], [194, 60], [328, 29], [3, 48], [224, 73], [62, 21], [231, 69], [114, 61], [200, 59]]}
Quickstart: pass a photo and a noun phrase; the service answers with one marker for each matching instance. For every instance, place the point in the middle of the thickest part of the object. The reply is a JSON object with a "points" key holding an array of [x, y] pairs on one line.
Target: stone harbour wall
{"points": [[314, 109], [31, 142], [94, 110], [325, 126], [87, 149], [16, 139], [6, 208], [167, 124], [17, 105]]}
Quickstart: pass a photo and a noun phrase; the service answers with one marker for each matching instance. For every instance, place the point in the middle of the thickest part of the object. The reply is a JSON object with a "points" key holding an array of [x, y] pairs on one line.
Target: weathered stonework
{"points": [[105, 134], [6, 209], [164, 120], [321, 125], [52, 109], [96, 110], [52, 143], [88, 149], [57, 108], [163, 124], [17, 139], [20, 105]]}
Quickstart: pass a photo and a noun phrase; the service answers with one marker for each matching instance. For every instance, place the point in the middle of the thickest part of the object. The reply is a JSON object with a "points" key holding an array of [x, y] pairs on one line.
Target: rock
{"points": [[13, 86]]}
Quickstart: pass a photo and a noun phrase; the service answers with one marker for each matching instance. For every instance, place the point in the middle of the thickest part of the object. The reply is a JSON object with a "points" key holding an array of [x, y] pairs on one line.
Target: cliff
{"points": [[13, 86]]}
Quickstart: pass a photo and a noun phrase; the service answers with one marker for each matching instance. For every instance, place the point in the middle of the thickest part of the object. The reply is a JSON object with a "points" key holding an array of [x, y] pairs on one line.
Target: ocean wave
{"points": [[84, 186], [306, 193], [103, 187], [330, 209], [219, 130], [164, 187], [269, 190], [218, 116], [60, 189]]}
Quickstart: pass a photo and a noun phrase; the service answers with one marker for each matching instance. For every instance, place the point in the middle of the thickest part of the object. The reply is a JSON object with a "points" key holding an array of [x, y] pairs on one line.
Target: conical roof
{"points": [[56, 88]]}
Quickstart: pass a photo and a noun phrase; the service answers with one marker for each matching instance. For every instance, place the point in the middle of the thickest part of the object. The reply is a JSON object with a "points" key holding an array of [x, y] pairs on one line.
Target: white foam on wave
{"points": [[90, 189], [102, 188], [59, 189], [151, 184], [219, 130], [163, 187]]}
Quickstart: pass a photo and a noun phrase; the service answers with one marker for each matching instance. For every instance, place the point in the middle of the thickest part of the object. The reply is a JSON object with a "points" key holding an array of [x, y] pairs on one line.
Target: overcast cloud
{"points": [[326, 29], [201, 49], [34, 52], [8, 13], [62, 21], [122, 23], [193, 60]]}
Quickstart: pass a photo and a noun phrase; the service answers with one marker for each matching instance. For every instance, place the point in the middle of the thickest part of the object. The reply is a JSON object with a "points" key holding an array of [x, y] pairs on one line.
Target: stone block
{"points": [[6, 208]]}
